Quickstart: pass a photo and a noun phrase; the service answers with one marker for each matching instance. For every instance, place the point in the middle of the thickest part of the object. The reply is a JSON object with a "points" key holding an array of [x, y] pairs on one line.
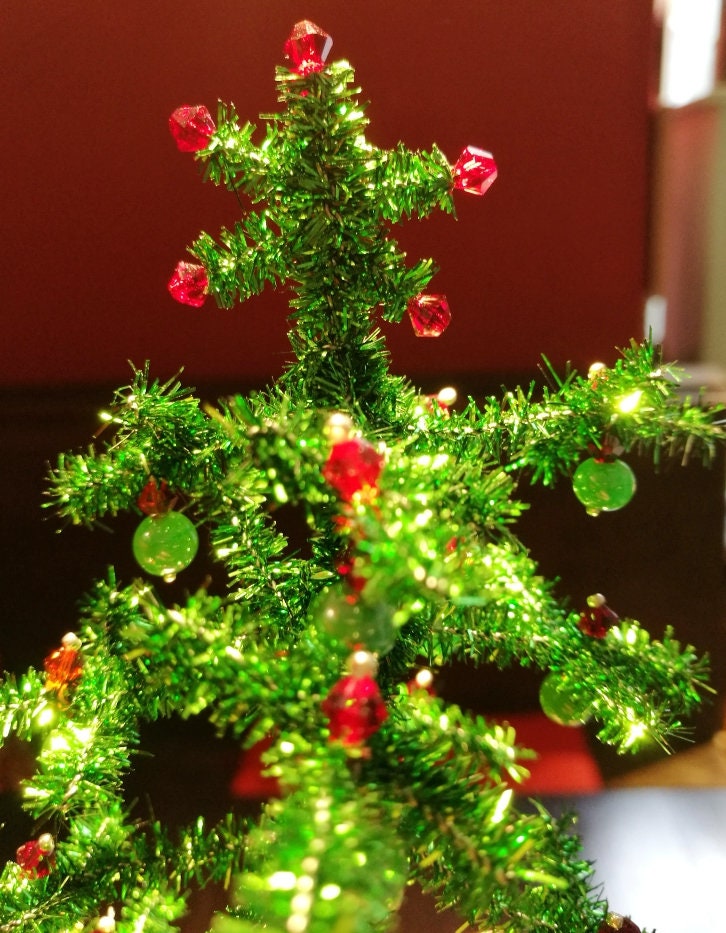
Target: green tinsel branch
{"points": [[469, 846]]}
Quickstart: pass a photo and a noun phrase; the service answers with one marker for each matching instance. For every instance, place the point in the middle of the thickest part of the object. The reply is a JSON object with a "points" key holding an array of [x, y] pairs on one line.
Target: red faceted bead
{"points": [[153, 499], [430, 315], [189, 284], [28, 855], [355, 709], [307, 47], [36, 856], [63, 666], [352, 466], [598, 618], [191, 127], [475, 171]]}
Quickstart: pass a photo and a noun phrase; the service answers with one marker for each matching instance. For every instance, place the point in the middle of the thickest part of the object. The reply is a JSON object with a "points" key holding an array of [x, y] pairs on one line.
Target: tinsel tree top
{"points": [[327, 198]]}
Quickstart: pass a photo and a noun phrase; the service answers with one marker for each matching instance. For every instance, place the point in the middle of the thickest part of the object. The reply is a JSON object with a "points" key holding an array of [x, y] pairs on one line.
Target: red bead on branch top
{"points": [[191, 127], [307, 47], [64, 666], [36, 857], [354, 706], [598, 618], [475, 171], [355, 710], [189, 284]]}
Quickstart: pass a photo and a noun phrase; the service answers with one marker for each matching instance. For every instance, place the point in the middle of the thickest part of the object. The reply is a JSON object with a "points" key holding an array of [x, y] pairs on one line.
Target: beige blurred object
{"points": [[701, 766]]}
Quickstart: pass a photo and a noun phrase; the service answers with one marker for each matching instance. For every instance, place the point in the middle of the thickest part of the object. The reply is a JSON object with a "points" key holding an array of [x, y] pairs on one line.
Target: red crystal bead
{"points": [[307, 47], [63, 666], [430, 315], [28, 855], [475, 171], [191, 127], [598, 618], [189, 283], [355, 709], [353, 466], [36, 856], [153, 499]]}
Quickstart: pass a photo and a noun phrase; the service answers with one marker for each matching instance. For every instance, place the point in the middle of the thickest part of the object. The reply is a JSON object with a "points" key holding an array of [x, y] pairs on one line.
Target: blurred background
{"points": [[608, 221]]}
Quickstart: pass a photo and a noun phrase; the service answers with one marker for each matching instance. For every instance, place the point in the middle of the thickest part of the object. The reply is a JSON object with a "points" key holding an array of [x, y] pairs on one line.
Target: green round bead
{"points": [[603, 486], [164, 544], [560, 704], [355, 623]]}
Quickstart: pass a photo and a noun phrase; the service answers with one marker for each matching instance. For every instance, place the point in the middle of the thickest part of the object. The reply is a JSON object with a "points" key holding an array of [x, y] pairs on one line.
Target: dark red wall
{"points": [[98, 204]]}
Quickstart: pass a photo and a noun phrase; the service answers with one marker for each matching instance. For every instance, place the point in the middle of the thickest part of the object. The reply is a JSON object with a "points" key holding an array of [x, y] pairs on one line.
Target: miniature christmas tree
{"points": [[410, 561]]}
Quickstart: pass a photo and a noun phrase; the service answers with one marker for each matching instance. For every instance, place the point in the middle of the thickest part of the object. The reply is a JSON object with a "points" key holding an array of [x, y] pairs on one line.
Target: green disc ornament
{"points": [[561, 703], [166, 543], [603, 485]]}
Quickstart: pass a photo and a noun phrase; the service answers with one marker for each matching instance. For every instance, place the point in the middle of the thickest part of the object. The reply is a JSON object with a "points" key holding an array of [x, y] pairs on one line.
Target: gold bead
{"points": [[362, 664], [595, 370], [338, 427], [46, 843]]}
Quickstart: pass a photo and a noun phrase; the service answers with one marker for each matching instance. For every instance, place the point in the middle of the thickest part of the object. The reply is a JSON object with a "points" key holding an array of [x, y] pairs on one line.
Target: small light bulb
{"points": [[107, 923], [282, 881], [46, 716], [502, 806], [628, 403], [636, 732]]}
